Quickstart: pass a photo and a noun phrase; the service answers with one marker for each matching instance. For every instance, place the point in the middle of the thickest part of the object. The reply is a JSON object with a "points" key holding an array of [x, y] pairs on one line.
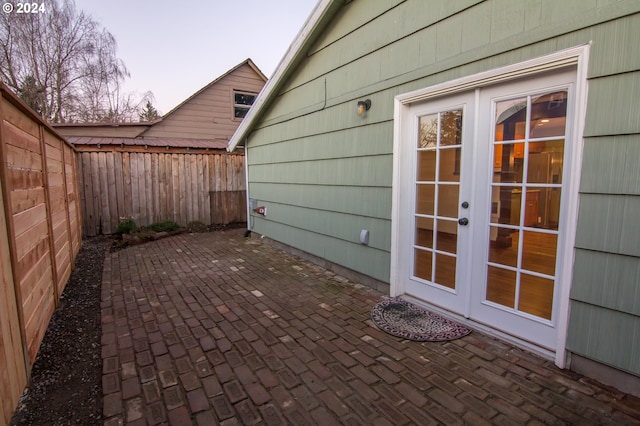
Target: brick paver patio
{"points": [[216, 328]]}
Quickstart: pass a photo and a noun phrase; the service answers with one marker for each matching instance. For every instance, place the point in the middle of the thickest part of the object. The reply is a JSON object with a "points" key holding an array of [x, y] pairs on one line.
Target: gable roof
{"points": [[247, 61], [321, 15]]}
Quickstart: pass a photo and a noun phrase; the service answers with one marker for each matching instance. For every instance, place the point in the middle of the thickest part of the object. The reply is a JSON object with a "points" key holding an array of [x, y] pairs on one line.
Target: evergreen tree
{"points": [[149, 112]]}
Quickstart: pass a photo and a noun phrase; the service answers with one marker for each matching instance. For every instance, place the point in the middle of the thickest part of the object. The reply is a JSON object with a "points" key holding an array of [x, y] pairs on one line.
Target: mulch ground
{"points": [[65, 387]]}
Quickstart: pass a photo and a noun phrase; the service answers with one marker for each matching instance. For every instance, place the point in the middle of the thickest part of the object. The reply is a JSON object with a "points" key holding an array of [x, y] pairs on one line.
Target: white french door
{"points": [[483, 182], [436, 229]]}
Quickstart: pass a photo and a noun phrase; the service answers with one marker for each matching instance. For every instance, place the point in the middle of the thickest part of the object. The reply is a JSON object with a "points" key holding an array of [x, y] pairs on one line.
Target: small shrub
{"points": [[197, 226], [126, 226], [164, 226]]}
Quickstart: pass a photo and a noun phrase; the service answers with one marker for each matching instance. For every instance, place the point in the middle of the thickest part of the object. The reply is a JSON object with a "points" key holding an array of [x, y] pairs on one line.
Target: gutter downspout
{"points": [[246, 184]]}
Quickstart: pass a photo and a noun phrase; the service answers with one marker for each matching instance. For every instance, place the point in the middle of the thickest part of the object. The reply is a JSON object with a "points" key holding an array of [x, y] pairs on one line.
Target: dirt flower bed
{"points": [[65, 386]]}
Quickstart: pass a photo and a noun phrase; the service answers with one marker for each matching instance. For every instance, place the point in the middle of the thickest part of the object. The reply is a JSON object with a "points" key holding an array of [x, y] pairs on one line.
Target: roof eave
{"points": [[321, 14]]}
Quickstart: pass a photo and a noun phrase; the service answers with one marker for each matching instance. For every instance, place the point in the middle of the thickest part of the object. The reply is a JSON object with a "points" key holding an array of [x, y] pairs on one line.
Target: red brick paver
{"points": [[217, 328]]}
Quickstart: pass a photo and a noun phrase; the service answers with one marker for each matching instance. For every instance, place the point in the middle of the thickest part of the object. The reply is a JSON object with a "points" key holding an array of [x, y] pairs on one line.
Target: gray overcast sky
{"points": [[174, 48]]}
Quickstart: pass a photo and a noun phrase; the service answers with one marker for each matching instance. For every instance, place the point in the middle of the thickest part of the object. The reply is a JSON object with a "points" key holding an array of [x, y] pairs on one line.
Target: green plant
{"points": [[126, 226], [197, 226], [164, 226]]}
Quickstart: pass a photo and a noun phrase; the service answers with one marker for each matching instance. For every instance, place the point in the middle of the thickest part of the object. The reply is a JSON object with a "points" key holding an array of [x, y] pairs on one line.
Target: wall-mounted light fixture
{"points": [[363, 107]]}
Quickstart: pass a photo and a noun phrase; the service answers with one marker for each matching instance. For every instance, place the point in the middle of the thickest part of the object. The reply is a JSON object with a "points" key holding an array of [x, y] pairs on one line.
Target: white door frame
{"points": [[575, 57]]}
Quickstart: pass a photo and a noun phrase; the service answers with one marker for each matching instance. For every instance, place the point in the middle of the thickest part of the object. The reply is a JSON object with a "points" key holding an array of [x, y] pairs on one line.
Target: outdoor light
{"points": [[363, 106]]}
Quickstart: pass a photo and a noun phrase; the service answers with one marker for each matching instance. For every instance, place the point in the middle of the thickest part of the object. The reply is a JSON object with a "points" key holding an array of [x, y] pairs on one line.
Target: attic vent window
{"points": [[242, 101]]}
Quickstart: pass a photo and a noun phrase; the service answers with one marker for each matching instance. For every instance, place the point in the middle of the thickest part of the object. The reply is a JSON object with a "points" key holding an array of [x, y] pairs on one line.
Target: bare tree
{"points": [[64, 65]]}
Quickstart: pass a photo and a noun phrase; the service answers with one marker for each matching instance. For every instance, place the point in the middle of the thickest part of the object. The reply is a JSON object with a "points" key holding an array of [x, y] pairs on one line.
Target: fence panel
{"points": [[154, 186], [39, 237]]}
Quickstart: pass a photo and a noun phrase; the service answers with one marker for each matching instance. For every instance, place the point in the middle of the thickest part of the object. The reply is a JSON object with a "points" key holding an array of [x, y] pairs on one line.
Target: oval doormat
{"points": [[408, 321]]}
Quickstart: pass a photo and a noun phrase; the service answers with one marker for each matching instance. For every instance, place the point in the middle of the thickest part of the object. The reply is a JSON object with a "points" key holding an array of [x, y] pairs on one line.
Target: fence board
{"points": [[188, 189], [112, 194], [198, 188], [155, 191], [14, 377], [154, 186], [148, 186], [205, 190], [182, 190], [95, 193], [39, 237]]}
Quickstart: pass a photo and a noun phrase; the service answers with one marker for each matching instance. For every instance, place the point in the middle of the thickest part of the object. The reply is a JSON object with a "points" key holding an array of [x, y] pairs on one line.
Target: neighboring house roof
{"points": [[205, 120], [321, 15], [124, 130], [164, 142]]}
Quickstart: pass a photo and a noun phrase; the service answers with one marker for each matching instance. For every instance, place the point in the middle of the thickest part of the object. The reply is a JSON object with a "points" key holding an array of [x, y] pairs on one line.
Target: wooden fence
{"points": [[151, 186], [40, 235]]}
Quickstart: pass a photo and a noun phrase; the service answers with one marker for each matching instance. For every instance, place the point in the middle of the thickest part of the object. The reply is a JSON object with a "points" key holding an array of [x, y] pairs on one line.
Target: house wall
{"points": [[209, 114], [324, 173]]}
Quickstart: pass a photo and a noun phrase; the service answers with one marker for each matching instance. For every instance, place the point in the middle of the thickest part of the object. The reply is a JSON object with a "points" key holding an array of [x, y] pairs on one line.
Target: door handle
{"points": [[463, 221]]}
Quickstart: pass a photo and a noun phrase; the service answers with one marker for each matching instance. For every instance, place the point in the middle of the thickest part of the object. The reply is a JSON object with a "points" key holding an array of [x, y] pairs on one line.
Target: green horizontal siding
{"points": [[463, 33], [607, 336], [350, 254], [356, 200], [332, 224], [357, 171], [291, 144], [366, 27], [612, 105], [615, 46], [321, 118], [389, 66], [609, 223], [607, 280], [611, 165]]}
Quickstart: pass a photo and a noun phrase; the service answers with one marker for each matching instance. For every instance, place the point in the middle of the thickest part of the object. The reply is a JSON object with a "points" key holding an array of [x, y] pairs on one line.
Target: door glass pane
{"points": [[539, 252], [508, 163], [424, 232], [449, 165], [426, 166], [548, 115], [451, 128], [511, 118], [536, 296], [448, 200], [445, 270], [501, 286], [447, 236], [503, 246], [422, 264], [508, 206], [428, 131], [545, 162], [425, 197]]}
